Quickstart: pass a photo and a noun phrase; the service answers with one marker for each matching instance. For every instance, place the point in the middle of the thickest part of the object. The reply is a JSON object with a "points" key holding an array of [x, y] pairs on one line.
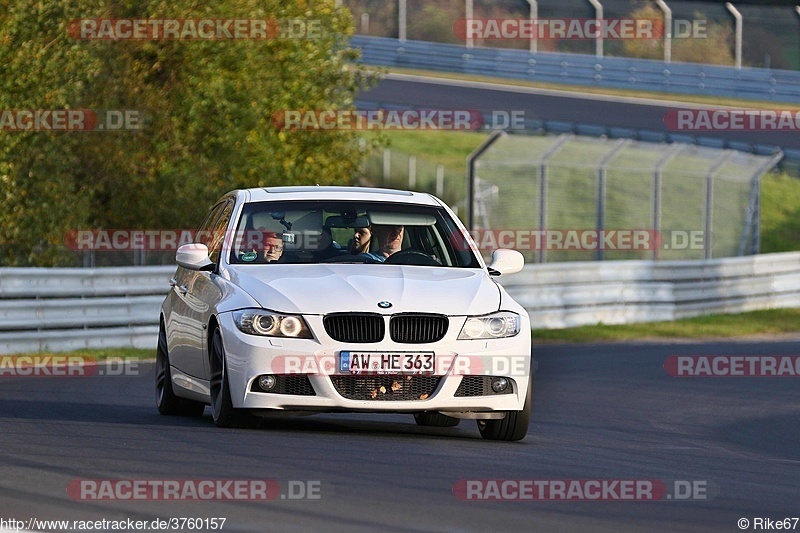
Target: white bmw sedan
{"points": [[302, 300]]}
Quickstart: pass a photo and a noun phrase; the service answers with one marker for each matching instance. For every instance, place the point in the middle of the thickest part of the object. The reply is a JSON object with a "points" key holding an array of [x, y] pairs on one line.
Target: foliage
{"points": [[208, 110], [714, 49]]}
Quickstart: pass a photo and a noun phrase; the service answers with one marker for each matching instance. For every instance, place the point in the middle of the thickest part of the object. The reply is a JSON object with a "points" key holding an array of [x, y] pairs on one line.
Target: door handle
{"points": [[183, 289]]}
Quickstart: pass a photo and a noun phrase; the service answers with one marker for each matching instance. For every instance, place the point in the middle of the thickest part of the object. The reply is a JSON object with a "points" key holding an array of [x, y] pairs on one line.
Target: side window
{"points": [[203, 235], [218, 231]]}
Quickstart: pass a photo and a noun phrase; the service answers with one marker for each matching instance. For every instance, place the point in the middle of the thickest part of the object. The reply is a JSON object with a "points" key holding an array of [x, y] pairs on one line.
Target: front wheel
{"points": [[166, 400], [515, 424], [222, 410]]}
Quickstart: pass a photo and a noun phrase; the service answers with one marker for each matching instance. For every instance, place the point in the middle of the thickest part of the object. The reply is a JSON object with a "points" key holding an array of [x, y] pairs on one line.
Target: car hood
{"points": [[322, 289]]}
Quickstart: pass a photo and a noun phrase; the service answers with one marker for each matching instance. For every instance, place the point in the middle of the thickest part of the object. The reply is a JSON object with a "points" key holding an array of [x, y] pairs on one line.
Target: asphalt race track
{"points": [[424, 93], [600, 412]]}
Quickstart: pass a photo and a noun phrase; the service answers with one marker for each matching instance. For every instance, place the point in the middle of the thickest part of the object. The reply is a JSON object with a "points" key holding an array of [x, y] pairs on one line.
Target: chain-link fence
{"points": [[571, 198], [395, 169]]}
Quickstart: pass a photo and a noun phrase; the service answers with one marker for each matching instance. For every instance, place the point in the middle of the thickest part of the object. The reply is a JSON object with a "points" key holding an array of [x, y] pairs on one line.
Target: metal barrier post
{"points": [[387, 165], [563, 139], [534, 34], [707, 237], [659, 166], [601, 192], [738, 47], [667, 30], [472, 166], [468, 9], [598, 45], [752, 224], [402, 20]]}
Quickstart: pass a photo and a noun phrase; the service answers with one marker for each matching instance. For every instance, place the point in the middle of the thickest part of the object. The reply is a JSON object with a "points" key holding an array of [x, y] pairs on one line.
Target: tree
{"points": [[207, 108], [714, 49]]}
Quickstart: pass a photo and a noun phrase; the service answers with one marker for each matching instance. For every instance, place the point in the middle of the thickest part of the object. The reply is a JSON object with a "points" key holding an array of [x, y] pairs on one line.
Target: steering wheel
{"points": [[410, 256]]}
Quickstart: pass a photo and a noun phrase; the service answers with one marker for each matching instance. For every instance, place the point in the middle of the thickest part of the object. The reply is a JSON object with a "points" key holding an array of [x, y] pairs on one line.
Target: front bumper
{"points": [[250, 356]]}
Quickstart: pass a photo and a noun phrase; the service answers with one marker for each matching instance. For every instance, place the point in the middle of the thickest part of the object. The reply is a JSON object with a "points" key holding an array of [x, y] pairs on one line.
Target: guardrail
{"points": [[561, 295], [68, 309], [71, 308], [585, 70]]}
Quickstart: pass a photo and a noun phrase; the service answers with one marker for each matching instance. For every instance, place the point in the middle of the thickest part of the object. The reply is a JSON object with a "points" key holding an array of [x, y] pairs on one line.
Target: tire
{"points": [[222, 410], [515, 424], [437, 420], [167, 402]]}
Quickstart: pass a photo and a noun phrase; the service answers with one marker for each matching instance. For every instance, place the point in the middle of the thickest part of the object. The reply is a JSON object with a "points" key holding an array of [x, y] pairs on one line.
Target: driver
{"points": [[390, 240]]}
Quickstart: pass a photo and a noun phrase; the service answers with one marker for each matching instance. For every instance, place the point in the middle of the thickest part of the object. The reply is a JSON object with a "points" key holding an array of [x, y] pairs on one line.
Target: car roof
{"points": [[365, 194]]}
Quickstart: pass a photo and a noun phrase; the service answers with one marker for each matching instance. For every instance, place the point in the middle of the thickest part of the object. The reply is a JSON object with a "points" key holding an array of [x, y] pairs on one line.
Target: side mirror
{"points": [[194, 257], [505, 262]]}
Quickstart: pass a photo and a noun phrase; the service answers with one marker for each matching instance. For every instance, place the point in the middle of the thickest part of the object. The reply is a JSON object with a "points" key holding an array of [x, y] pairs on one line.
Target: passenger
{"points": [[361, 241], [273, 247], [267, 246]]}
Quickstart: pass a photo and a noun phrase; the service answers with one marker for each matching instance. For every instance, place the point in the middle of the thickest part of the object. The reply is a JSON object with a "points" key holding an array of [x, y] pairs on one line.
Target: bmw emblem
{"points": [[384, 304]]}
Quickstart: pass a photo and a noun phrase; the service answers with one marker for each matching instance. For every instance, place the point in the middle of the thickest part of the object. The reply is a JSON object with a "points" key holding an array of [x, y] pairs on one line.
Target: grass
{"points": [[767, 322], [131, 354], [780, 213]]}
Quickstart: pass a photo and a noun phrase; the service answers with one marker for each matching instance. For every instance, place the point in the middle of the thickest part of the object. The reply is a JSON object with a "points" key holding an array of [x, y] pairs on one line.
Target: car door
{"points": [[203, 293], [184, 331]]}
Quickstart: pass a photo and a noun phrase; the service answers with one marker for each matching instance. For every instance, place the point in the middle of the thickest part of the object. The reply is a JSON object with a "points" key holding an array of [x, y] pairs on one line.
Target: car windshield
{"points": [[348, 232]]}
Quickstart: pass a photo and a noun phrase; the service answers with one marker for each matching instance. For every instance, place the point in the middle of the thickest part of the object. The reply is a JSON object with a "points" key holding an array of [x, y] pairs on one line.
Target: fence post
{"points": [[472, 165], [667, 30], [564, 138], [402, 20], [387, 165], [468, 14], [738, 42], [752, 224], [601, 193], [657, 169], [439, 180], [598, 44], [534, 15], [707, 235], [412, 172]]}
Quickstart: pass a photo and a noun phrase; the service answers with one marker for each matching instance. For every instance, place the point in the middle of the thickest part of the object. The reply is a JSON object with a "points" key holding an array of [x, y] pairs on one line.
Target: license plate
{"points": [[387, 362]]}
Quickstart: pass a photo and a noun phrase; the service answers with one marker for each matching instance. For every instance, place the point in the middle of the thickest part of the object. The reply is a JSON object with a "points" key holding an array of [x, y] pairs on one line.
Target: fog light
{"points": [[499, 384], [268, 382]]}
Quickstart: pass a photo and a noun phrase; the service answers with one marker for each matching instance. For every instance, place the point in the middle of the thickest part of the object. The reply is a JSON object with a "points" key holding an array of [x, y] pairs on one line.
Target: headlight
{"points": [[268, 324], [494, 326]]}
